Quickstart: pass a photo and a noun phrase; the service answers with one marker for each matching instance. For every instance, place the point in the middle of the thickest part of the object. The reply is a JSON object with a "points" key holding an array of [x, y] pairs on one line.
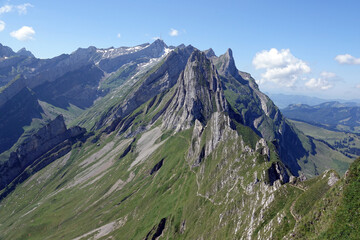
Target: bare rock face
{"points": [[263, 148], [198, 94], [161, 79], [154, 50], [6, 51], [196, 153], [277, 172], [227, 64], [26, 53], [46, 139], [210, 53]]}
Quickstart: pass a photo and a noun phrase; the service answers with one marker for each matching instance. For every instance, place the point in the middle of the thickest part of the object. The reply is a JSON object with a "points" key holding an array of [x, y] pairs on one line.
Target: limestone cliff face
{"points": [[43, 141], [258, 111], [160, 79], [198, 94]]}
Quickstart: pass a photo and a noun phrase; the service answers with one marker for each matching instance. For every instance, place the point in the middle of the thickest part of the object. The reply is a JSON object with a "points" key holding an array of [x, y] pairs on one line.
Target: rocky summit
{"points": [[159, 142]]}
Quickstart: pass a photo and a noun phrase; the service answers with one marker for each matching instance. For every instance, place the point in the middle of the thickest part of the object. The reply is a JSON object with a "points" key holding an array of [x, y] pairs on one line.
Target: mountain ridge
{"points": [[181, 145], [331, 115]]}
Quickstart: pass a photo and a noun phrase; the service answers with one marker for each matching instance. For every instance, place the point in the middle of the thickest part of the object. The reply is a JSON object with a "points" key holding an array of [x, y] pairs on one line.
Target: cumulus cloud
{"points": [[347, 59], [2, 25], [281, 67], [24, 33], [118, 35], [324, 82], [21, 9], [318, 83], [173, 32]]}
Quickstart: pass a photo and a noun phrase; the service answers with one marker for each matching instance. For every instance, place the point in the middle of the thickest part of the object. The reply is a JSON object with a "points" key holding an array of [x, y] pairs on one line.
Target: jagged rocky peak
{"points": [[198, 94], [6, 51], [159, 43], [161, 79], [227, 64], [83, 54], [210, 53], [182, 46], [24, 52], [157, 48]]}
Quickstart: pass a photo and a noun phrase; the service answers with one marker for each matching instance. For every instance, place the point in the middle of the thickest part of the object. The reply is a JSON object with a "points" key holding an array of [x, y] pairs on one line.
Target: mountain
{"points": [[5, 51], [331, 115], [284, 100], [154, 142], [24, 52], [65, 85]]}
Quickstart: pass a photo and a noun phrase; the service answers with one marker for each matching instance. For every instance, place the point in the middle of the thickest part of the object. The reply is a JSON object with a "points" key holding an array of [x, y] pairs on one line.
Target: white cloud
{"points": [[6, 9], [156, 38], [347, 59], [318, 83], [328, 75], [2, 25], [357, 86], [173, 32], [21, 9], [24, 33], [281, 67], [118, 35], [324, 82]]}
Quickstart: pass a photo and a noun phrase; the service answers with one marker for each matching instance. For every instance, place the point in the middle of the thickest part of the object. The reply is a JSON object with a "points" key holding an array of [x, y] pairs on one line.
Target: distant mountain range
{"points": [[331, 115], [284, 100]]}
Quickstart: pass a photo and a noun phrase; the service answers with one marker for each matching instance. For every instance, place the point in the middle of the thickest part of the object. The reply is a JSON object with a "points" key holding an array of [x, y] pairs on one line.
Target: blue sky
{"points": [[294, 47]]}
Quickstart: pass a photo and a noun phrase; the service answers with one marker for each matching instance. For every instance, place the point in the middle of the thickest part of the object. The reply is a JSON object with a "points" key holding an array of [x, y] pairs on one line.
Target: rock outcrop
{"points": [[277, 172], [16, 113], [198, 94], [24, 52], [159, 79], [5, 51], [54, 139]]}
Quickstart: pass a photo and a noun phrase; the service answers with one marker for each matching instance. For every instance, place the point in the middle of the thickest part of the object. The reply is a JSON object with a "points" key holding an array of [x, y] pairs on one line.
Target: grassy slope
{"points": [[336, 215], [220, 198], [320, 157], [342, 141]]}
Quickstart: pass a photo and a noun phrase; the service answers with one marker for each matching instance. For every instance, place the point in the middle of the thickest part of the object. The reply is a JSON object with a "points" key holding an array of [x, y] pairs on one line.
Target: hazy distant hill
{"points": [[283, 100], [332, 115]]}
